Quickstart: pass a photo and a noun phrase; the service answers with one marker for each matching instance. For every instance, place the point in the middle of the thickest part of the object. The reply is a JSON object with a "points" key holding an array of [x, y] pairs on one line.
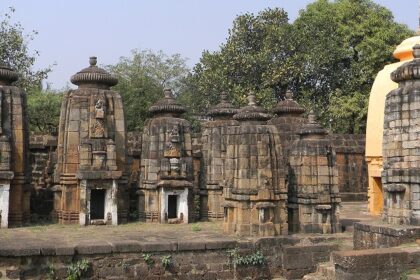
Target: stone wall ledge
{"points": [[387, 229], [133, 246], [384, 263]]}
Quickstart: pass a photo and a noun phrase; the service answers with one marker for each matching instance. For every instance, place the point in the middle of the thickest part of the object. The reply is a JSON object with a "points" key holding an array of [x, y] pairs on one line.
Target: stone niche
{"points": [[166, 192], [313, 194], [14, 155], [401, 147], [91, 164], [255, 191], [214, 139]]}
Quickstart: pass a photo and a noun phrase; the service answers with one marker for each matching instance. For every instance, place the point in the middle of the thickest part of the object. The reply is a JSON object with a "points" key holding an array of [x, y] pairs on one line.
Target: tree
{"points": [[44, 111], [329, 57], [343, 45], [142, 78], [14, 51], [257, 56]]}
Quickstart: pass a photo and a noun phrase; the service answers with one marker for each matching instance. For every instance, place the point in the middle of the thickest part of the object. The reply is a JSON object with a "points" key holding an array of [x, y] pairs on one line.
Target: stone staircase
{"points": [[324, 271]]}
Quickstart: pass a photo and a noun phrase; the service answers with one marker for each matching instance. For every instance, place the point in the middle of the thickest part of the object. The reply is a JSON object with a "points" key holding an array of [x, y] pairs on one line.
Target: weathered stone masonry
{"points": [[91, 166], [401, 168], [14, 155]]}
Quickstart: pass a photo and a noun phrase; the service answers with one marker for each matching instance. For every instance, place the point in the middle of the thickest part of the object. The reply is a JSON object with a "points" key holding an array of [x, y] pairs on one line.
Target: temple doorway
{"points": [[97, 204], [172, 206]]}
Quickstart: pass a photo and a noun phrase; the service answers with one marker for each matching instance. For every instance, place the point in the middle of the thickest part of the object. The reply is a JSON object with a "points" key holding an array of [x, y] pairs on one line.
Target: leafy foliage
{"points": [[142, 78], [44, 110], [148, 260], [329, 57], [166, 261], [254, 259], [76, 270], [14, 51]]}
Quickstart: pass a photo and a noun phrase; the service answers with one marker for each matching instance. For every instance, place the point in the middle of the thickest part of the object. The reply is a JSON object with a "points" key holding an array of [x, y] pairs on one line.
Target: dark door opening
{"points": [[172, 207], [97, 204]]}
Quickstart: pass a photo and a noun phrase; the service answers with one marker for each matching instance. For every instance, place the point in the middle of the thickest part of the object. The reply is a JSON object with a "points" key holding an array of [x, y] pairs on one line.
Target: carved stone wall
{"points": [[166, 178], [14, 156], [351, 165], [214, 143], [401, 157], [91, 164], [255, 191], [313, 193]]}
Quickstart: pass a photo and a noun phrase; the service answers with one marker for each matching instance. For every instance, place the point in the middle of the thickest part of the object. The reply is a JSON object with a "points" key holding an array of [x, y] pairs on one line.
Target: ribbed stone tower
{"points": [[14, 154], [255, 191], [214, 142], [401, 156], [288, 119], [313, 193], [166, 180], [91, 150]]}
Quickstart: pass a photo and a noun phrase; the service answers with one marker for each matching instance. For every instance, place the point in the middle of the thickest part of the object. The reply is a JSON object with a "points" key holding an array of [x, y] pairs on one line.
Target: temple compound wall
{"points": [[14, 152]]}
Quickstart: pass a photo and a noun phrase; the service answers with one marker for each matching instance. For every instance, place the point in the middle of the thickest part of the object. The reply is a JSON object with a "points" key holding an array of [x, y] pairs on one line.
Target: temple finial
{"points": [[251, 99], [93, 60]]}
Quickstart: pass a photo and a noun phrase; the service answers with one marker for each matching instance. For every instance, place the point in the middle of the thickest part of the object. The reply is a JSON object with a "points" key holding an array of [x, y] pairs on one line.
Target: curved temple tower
{"points": [[288, 120], [255, 191], [14, 144], [166, 180], [313, 194], [214, 140], [91, 150], [401, 156]]}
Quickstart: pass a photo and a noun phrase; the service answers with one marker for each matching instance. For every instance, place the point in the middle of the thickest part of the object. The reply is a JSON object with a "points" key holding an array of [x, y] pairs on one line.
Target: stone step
{"points": [[314, 276], [413, 277], [327, 270], [324, 271]]}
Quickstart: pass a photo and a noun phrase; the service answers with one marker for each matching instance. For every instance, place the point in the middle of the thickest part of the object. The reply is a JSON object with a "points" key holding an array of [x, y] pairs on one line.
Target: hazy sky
{"points": [[71, 31]]}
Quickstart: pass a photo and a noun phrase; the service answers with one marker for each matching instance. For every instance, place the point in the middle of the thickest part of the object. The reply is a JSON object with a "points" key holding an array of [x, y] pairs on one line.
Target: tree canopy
{"points": [[14, 51], [329, 57], [44, 110], [142, 78]]}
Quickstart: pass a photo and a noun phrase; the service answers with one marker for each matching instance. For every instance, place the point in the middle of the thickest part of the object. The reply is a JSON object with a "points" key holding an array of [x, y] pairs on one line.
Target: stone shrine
{"points": [[14, 151], [166, 176], [91, 151], [401, 157], [214, 140], [313, 194], [255, 192], [375, 121], [288, 119]]}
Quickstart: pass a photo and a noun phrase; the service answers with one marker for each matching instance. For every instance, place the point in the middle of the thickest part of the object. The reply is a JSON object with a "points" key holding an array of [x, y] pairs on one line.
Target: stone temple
{"points": [[166, 180], [91, 151], [255, 192], [260, 174], [401, 157], [14, 151]]}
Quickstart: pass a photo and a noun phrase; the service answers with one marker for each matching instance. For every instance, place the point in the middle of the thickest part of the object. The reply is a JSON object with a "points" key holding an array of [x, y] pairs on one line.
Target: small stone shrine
{"points": [[401, 157], [91, 150], [255, 191], [14, 151], [288, 120], [214, 153], [166, 177], [313, 194]]}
